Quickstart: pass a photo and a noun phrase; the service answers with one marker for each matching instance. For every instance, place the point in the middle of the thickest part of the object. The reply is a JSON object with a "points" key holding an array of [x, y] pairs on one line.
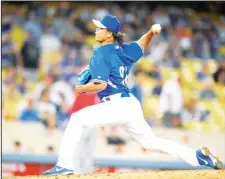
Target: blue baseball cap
{"points": [[108, 22]]}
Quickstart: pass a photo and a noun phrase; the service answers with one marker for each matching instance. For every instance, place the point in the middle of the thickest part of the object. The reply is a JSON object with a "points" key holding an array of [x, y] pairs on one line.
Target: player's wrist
{"points": [[79, 88], [151, 32]]}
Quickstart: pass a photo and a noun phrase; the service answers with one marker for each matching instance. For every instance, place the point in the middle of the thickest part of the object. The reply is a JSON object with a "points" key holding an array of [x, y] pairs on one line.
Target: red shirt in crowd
{"points": [[83, 100]]}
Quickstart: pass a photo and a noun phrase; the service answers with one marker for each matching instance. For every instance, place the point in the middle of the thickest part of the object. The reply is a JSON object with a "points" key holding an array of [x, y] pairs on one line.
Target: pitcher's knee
{"points": [[80, 118]]}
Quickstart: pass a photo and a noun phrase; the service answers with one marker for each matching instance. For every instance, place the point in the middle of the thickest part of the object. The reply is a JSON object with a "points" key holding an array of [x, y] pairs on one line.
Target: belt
{"points": [[115, 96]]}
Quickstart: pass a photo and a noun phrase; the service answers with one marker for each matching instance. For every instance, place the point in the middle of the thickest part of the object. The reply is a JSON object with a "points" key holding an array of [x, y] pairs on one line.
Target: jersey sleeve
{"points": [[133, 51], [99, 67]]}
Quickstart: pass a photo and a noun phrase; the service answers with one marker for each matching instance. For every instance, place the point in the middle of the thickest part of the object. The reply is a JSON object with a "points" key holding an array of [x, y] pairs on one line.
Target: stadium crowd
{"points": [[178, 80]]}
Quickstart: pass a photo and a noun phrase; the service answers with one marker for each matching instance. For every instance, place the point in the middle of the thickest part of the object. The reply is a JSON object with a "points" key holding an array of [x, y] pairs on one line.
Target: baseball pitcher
{"points": [[107, 74]]}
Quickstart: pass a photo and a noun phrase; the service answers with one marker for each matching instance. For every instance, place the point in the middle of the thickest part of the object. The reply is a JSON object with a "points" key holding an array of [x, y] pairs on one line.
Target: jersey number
{"points": [[123, 74]]}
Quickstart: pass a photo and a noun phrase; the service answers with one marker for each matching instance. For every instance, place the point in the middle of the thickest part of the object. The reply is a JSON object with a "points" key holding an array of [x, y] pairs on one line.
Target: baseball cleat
{"points": [[57, 170], [207, 159]]}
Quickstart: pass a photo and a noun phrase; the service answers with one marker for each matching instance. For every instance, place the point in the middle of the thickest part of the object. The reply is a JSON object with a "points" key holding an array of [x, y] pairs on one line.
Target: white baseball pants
{"points": [[83, 161], [125, 112]]}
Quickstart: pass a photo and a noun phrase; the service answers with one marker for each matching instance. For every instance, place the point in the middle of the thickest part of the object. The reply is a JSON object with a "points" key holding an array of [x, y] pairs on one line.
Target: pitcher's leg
{"points": [[93, 116], [89, 150], [84, 159], [142, 133], [69, 142]]}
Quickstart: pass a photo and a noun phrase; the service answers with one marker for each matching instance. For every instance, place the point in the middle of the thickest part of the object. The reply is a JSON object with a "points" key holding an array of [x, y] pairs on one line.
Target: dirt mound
{"points": [[171, 174]]}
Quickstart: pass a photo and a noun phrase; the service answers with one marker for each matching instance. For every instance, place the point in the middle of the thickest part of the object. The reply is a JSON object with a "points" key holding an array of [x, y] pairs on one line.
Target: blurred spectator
{"points": [[46, 83], [83, 100], [114, 139], [207, 92], [171, 101], [29, 113], [55, 90], [71, 60], [100, 12], [153, 119], [155, 72], [60, 88], [58, 23], [19, 16], [18, 147], [177, 62], [81, 25], [30, 52], [63, 113], [198, 39], [161, 17], [6, 24], [219, 75], [9, 52], [86, 52], [203, 74], [214, 45], [157, 50], [32, 25], [170, 59], [185, 44], [9, 76], [22, 86], [30, 56], [157, 88], [47, 110], [136, 89], [55, 71], [192, 112], [68, 31], [50, 150], [49, 42], [206, 49], [11, 98], [64, 9]]}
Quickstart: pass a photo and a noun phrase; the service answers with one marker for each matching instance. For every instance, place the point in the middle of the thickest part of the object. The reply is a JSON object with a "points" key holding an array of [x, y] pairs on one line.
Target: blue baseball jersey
{"points": [[111, 64]]}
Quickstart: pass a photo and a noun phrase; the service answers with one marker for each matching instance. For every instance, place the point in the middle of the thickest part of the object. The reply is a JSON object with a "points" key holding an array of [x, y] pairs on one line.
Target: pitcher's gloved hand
{"points": [[84, 76]]}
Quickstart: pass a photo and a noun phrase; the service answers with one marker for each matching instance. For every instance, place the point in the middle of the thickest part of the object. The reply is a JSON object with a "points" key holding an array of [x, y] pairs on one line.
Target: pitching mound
{"points": [[175, 174]]}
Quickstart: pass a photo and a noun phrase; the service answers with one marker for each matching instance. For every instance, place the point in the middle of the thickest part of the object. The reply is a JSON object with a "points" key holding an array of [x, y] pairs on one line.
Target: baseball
{"points": [[156, 29]]}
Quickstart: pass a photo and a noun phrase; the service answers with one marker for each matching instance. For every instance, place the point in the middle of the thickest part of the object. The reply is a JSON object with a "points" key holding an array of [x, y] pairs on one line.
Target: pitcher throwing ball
{"points": [[107, 74]]}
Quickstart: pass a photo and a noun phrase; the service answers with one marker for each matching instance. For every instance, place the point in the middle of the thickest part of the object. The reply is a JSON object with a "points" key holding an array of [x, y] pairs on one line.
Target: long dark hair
{"points": [[119, 37]]}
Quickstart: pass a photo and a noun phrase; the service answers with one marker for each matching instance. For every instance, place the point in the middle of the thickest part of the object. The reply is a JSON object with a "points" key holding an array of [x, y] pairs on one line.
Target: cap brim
{"points": [[98, 24]]}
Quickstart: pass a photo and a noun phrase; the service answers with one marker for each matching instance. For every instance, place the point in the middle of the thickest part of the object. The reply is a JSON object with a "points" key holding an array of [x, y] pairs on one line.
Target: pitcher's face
{"points": [[102, 34]]}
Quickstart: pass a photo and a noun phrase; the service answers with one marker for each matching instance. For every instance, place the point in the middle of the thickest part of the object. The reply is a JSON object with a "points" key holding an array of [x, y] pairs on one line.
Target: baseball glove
{"points": [[84, 76]]}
